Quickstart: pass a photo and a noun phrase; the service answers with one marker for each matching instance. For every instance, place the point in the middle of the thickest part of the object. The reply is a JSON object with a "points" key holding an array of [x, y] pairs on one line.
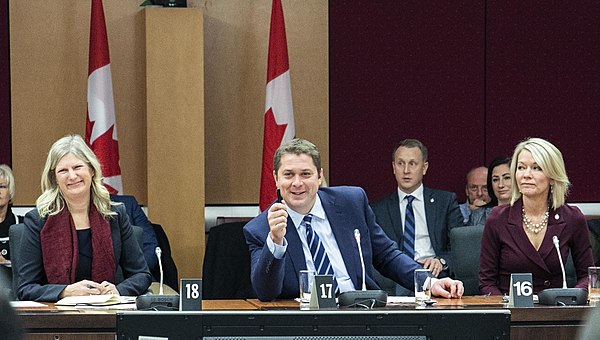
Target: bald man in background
{"points": [[476, 190]]}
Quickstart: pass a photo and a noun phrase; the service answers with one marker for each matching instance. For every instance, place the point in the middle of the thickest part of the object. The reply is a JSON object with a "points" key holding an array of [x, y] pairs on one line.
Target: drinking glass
{"points": [[306, 282], [422, 286]]}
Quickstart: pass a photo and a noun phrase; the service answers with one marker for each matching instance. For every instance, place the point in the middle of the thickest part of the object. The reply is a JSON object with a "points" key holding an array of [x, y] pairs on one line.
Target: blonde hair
{"points": [[51, 201], [550, 159], [6, 173]]}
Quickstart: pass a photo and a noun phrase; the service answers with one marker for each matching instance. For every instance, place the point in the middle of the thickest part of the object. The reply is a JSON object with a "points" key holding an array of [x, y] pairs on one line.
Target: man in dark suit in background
{"points": [[431, 213], [139, 218], [279, 238]]}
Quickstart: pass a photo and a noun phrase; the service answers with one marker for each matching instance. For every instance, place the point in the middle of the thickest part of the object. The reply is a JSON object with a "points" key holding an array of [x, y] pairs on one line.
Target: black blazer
{"points": [[33, 284]]}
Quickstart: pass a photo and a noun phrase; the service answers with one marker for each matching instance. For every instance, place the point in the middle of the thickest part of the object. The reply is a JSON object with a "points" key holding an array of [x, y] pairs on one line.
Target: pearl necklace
{"points": [[535, 227]]}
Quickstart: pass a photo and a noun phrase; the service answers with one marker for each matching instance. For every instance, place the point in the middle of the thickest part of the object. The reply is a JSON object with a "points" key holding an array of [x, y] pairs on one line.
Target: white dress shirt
{"points": [[423, 248], [321, 226]]}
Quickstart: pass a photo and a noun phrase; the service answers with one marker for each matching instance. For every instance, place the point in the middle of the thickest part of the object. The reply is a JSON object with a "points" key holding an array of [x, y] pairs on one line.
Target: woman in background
{"points": [[76, 237], [517, 238], [498, 185], [7, 218]]}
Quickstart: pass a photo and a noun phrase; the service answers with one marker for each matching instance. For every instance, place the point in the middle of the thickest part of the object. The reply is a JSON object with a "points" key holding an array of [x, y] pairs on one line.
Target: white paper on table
{"points": [[95, 300], [26, 304], [400, 299]]}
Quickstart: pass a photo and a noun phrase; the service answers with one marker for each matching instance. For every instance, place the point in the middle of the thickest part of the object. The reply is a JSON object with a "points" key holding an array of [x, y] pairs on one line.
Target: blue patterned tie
{"points": [[317, 250], [409, 229]]}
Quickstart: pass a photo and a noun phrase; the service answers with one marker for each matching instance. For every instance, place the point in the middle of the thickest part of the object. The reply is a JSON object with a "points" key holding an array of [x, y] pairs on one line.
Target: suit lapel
{"points": [[393, 206], [515, 230], [343, 231], [555, 227], [294, 249], [431, 213]]}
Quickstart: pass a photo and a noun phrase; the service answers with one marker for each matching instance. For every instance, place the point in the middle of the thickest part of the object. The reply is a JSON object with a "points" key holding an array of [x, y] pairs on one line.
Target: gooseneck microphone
{"points": [[362, 259], [562, 266], [562, 296], [362, 298], [158, 253], [160, 301]]}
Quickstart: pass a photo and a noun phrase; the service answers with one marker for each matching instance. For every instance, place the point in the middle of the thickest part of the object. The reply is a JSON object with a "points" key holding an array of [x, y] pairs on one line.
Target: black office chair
{"points": [[594, 226], [465, 245], [226, 269], [170, 274]]}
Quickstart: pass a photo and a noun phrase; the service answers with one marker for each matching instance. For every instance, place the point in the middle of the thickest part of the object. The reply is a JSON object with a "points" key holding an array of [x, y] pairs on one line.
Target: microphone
{"points": [[562, 266], [158, 253], [562, 296], [160, 301], [362, 259], [364, 297]]}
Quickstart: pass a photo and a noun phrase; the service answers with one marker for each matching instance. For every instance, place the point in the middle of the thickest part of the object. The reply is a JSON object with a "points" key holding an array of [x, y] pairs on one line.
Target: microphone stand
{"points": [[562, 296], [160, 301], [362, 298]]}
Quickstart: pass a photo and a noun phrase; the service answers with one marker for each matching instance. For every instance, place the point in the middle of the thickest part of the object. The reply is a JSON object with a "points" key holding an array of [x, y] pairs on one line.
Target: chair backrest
{"points": [[15, 233], [226, 269], [170, 274], [594, 226], [465, 245]]}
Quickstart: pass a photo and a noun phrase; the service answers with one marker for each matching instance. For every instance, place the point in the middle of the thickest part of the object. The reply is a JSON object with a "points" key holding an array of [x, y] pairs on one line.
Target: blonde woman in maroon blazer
{"points": [[517, 238]]}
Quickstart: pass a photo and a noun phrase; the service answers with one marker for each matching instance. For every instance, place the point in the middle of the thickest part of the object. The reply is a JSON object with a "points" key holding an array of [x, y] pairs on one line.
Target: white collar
{"points": [[417, 194], [317, 211]]}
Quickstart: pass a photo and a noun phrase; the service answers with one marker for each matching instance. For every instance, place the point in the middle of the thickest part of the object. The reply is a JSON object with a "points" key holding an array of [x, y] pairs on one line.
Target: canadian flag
{"points": [[100, 127], [279, 113]]}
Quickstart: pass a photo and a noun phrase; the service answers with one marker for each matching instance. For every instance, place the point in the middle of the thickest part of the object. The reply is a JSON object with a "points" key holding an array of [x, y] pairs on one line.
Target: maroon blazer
{"points": [[505, 249]]}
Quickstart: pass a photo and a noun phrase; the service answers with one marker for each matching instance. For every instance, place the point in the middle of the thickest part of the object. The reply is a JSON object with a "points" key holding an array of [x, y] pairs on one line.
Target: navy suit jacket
{"points": [[441, 211], [506, 249], [347, 208], [139, 218]]}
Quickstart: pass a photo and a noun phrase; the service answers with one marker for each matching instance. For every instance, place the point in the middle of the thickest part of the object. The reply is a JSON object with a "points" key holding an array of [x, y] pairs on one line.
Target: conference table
{"points": [[538, 322]]}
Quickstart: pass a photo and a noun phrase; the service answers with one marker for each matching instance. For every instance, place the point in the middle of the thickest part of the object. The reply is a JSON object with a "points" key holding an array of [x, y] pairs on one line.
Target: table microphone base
{"points": [[157, 302], [361, 298], [563, 297]]}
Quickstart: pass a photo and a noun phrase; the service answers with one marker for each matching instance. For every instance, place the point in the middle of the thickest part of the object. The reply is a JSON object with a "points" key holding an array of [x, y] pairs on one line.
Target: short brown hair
{"points": [[411, 143], [297, 146]]}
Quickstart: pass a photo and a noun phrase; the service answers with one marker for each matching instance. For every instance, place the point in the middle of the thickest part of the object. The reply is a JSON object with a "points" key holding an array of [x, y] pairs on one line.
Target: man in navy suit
{"points": [[277, 238], [434, 212], [138, 217]]}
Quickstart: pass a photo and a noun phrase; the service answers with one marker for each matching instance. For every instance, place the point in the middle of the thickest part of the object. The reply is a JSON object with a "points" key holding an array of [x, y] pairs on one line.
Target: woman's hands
{"points": [[87, 287]]}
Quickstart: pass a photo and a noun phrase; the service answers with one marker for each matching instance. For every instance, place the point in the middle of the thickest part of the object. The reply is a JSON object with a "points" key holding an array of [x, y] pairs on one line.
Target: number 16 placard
{"points": [[521, 290]]}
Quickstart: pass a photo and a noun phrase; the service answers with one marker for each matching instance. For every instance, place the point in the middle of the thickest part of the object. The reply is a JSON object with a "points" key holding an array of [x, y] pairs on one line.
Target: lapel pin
{"points": [[556, 217], [432, 200]]}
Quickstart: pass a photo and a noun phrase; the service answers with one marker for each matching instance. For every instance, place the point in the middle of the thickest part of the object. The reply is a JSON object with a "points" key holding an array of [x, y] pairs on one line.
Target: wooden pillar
{"points": [[175, 131]]}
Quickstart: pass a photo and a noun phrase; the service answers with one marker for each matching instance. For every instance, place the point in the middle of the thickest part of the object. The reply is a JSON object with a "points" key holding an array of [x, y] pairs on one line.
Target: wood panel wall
{"points": [[49, 48], [175, 130]]}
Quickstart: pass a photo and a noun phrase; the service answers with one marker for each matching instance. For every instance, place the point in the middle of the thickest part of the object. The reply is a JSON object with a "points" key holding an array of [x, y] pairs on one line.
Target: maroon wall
{"points": [[470, 79], [5, 144]]}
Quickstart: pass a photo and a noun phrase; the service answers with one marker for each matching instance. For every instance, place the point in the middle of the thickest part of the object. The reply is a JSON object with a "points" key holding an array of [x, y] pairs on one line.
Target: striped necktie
{"points": [[409, 229], [317, 250]]}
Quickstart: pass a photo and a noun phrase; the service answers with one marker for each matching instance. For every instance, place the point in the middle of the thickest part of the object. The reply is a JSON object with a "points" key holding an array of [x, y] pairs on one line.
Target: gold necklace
{"points": [[535, 227]]}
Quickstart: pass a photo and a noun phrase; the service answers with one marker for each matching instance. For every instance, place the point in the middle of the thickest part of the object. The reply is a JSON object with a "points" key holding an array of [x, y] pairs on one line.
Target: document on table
{"points": [[400, 299], [26, 304], [95, 300]]}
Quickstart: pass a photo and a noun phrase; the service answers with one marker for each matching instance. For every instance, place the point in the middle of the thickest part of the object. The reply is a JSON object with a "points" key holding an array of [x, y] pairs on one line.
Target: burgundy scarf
{"points": [[60, 250]]}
